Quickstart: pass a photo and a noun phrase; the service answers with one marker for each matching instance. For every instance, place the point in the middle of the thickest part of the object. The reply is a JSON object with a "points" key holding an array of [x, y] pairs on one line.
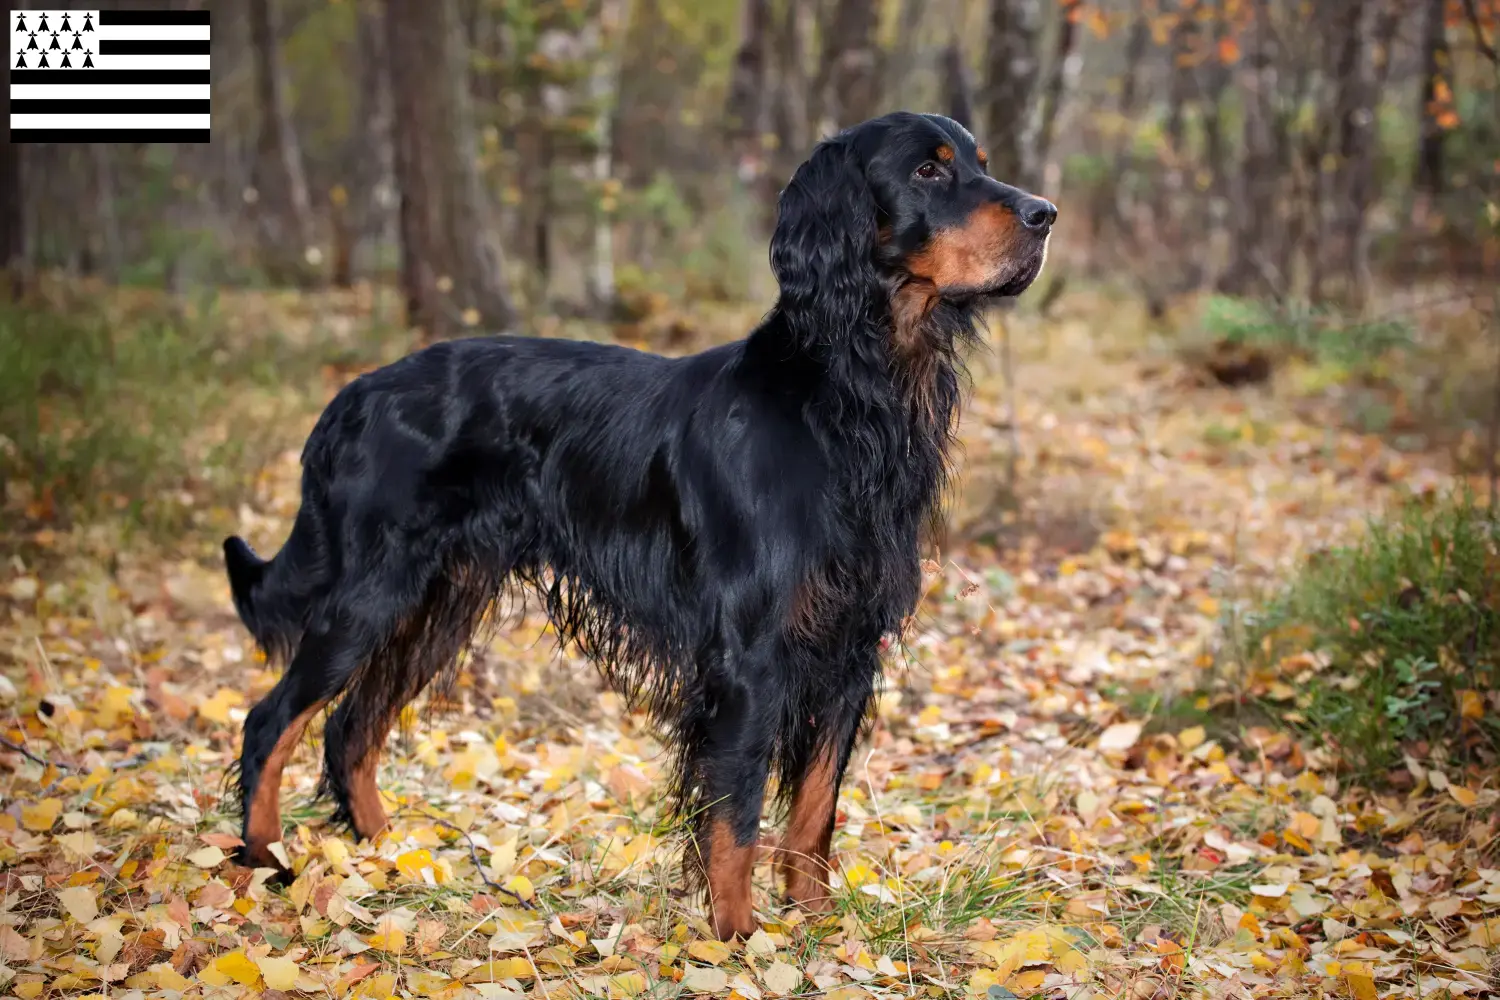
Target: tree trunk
{"points": [[848, 83], [613, 26], [1064, 67], [958, 92], [1255, 184], [1435, 66], [1010, 72], [12, 219], [790, 105], [903, 57], [361, 208], [745, 110], [451, 261], [110, 246], [283, 206]]}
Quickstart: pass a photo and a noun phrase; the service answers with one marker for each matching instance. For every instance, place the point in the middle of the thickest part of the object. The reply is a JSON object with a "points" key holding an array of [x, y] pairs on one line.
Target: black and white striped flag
{"points": [[109, 75]]}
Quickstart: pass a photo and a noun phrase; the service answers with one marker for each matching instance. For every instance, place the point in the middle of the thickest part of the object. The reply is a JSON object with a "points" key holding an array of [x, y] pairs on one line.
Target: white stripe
{"points": [[150, 62], [145, 32], [109, 92], [109, 121]]}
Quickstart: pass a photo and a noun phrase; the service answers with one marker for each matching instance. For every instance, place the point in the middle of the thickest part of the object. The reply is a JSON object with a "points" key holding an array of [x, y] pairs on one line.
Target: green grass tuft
{"points": [[1391, 644]]}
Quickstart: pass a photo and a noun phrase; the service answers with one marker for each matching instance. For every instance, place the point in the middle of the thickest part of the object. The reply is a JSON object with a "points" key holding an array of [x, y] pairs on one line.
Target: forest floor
{"points": [[1045, 808]]}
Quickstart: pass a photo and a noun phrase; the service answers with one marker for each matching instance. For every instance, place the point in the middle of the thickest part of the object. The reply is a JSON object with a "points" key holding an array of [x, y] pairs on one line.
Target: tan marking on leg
{"points": [[729, 869], [365, 807], [263, 825], [804, 856]]}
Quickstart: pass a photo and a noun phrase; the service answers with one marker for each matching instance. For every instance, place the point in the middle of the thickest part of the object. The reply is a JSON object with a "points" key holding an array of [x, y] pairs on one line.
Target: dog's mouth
{"points": [[1013, 277], [1023, 270]]}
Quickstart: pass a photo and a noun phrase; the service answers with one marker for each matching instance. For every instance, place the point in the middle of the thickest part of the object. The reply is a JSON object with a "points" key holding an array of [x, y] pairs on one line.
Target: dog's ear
{"points": [[823, 249]]}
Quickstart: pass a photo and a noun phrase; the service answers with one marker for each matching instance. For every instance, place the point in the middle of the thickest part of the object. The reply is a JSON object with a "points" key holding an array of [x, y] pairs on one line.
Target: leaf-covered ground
{"points": [[1040, 810]]}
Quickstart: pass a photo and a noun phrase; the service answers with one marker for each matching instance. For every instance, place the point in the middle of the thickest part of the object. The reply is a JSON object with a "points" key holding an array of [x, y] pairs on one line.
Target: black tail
{"points": [[276, 626]]}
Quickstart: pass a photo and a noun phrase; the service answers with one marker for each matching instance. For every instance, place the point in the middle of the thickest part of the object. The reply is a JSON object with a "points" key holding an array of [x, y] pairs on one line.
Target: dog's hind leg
{"points": [[426, 643], [321, 668], [817, 755], [352, 743], [731, 763]]}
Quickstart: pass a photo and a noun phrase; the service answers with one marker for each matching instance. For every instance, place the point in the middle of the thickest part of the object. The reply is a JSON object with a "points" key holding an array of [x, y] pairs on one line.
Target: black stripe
{"points": [[107, 17], [63, 106], [109, 135], [153, 47], [109, 76]]}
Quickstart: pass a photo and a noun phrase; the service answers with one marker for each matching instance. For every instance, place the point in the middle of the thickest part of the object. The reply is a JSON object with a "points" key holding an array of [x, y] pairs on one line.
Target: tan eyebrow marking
{"points": [[984, 158], [945, 153]]}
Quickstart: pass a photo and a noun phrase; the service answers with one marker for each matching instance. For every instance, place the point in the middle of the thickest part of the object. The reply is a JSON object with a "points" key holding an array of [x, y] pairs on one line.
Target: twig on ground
{"points": [[18, 748], [473, 855]]}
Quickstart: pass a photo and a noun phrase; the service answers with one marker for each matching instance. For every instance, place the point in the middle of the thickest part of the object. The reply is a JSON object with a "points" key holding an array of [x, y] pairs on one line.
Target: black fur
{"points": [[727, 535]]}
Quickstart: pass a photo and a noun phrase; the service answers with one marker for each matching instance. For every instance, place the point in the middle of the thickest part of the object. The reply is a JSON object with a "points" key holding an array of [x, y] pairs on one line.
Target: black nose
{"points": [[1036, 213]]}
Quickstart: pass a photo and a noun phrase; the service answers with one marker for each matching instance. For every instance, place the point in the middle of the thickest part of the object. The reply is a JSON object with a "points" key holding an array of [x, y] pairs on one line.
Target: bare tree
{"points": [[451, 260], [1010, 74], [1435, 70], [745, 110], [1065, 64], [610, 31], [284, 209], [361, 209], [958, 91], [1251, 268], [12, 219], [847, 86]]}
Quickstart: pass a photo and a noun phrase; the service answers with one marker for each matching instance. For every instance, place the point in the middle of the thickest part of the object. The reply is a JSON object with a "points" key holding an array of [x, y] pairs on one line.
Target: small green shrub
{"points": [[145, 412], [1320, 333], [1390, 644]]}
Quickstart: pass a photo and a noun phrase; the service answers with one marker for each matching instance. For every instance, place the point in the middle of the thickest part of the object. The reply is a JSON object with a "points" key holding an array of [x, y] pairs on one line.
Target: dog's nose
{"points": [[1036, 213]]}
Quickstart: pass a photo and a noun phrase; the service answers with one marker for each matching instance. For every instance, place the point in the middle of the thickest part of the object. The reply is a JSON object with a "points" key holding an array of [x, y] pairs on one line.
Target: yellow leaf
{"points": [[1121, 736], [336, 852], [521, 886], [1361, 985], [500, 968], [279, 973], [78, 846], [207, 857], [778, 977], [238, 967], [627, 984], [1306, 824], [760, 943], [391, 940], [426, 984], [712, 952], [40, 817], [702, 979], [858, 875], [412, 863], [168, 978], [1470, 704], [80, 902], [1191, 738], [114, 704], [1465, 797], [216, 709], [1029, 981]]}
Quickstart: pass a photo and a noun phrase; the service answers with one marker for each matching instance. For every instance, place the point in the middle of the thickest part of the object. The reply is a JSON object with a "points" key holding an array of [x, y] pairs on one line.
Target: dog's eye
{"points": [[929, 170]]}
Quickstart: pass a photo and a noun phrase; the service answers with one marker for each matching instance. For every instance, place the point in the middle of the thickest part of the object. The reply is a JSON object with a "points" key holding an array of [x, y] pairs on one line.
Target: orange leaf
{"points": [[1229, 51]]}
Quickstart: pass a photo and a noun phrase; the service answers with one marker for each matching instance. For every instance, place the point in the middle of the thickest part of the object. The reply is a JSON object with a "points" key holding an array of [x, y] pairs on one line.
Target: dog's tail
{"points": [[271, 601]]}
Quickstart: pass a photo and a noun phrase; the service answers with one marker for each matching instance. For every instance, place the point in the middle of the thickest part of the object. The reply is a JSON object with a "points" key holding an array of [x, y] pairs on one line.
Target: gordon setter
{"points": [[728, 535]]}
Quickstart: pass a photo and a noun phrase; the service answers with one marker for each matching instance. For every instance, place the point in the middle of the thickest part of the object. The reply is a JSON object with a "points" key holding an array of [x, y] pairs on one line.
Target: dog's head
{"points": [[905, 202]]}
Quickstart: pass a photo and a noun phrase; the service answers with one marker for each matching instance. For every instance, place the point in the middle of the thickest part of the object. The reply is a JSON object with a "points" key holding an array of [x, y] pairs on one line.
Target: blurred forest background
{"points": [[1268, 315], [1323, 174]]}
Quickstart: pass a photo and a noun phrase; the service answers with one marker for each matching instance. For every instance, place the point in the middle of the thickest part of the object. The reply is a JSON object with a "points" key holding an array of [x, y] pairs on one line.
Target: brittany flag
{"points": [[109, 76]]}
